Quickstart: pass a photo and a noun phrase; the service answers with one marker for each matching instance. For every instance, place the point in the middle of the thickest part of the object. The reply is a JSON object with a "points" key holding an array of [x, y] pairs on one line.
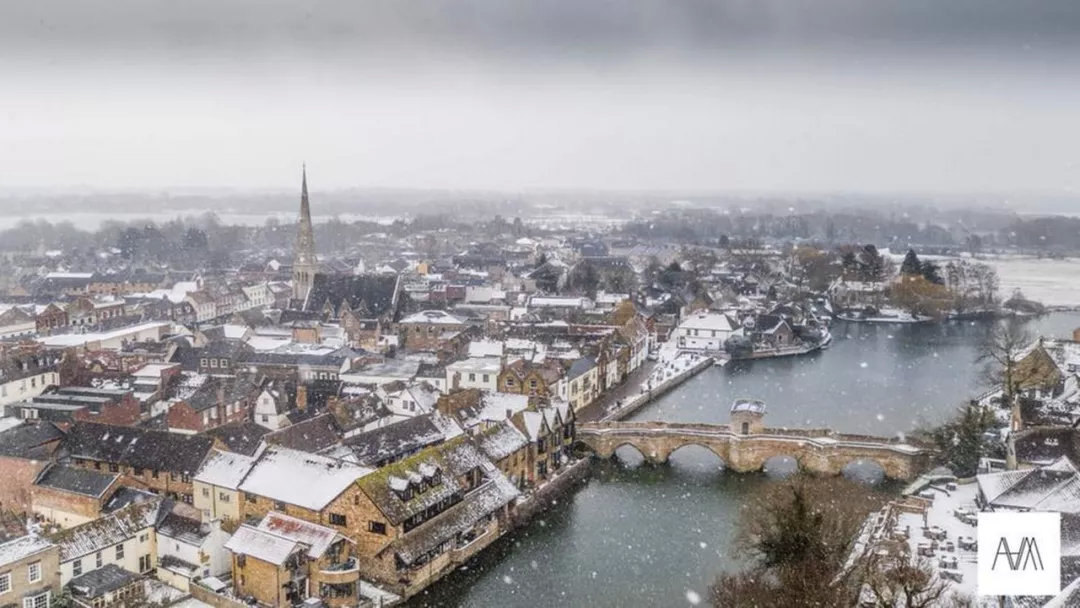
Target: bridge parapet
{"points": [[816, 450]]}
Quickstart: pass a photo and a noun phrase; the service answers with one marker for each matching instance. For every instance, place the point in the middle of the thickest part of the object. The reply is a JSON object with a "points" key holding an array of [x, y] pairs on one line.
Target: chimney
{"points": [[509, 413], [1076, 335], [301, 397]]}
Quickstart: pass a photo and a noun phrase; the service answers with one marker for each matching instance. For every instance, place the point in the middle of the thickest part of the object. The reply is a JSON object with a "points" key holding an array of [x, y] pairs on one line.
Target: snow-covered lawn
{"points": [[941, 514]]}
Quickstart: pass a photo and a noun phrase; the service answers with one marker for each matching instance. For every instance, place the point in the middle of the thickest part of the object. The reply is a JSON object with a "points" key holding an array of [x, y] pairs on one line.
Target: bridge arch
{"points": [[717, 451], [641, 456], [864, 470], [781, 465]]}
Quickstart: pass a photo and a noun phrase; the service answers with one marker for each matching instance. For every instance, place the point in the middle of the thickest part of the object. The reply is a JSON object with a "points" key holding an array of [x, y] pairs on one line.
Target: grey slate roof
{"points": [[395, 441], [137, 447], [29, 440], [76, 480], [96, 583]]}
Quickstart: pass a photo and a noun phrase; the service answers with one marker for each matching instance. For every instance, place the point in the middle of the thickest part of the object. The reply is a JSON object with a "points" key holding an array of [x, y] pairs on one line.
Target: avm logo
{"points": [[1026, 556]]}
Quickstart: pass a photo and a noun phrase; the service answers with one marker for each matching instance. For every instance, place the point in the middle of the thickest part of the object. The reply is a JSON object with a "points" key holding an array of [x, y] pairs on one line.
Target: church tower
{"points": [[305, 264]]}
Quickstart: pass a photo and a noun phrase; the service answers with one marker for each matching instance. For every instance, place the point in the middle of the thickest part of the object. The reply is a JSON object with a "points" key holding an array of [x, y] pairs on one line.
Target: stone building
{"points": [[29, 571], [284, 560]]}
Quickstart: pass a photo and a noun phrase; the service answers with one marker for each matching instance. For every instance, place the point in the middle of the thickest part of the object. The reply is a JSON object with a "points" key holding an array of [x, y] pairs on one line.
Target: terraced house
{"points": [[157, 461]]}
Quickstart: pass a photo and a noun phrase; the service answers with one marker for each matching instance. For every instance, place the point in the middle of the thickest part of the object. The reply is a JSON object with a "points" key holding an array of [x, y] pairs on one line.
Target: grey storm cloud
{"points": [[777, 95], [530, 27]]}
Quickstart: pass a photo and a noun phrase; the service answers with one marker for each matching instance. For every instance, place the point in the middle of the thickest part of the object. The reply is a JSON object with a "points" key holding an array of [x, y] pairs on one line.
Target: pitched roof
{"points": [[22, 547], [109, 530], [453, 459], [100, 581], [299, 478], [311, 435], [239, 437], [501, 440], [262, 545], [394, 441], [32, 441], [370, 295], [315, 537], [137, 447], [225, 469]]}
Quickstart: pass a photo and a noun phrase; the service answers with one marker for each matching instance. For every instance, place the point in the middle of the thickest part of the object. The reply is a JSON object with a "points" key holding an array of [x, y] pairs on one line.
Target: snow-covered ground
{"points": [[1051, 282], [941, 514]]}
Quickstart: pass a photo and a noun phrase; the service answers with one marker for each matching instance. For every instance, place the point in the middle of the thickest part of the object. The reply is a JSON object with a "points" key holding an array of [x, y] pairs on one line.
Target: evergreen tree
{"points": [[873, 264], [929, 271], [960, 441], [911, 264]]}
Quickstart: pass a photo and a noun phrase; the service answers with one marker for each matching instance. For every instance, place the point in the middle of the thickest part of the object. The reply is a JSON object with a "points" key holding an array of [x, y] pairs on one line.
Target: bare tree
{"points": [[1002, 352], [897, 582]]}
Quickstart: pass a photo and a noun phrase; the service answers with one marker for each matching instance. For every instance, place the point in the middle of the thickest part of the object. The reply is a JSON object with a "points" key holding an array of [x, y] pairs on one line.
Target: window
{"points": [[206, 492], [249, 497], [76, 567], [37, 601], [34, 572], [144, 563], [137, 472], [154, 474], [265, 418], [114, 468], [120, 551], [98, 561], [223, 497], [485, 378], [144, 537], [472, 377], [376, 527], [5, 582], [337, 519], [213, 363]]}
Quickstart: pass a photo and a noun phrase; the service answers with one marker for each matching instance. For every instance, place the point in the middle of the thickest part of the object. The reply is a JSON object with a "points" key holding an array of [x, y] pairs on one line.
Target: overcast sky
{"points": [[735, 95]]}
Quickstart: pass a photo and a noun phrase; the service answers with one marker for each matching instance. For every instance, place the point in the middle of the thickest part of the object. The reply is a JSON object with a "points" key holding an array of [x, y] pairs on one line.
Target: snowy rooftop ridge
{"points": [[299, 478]]}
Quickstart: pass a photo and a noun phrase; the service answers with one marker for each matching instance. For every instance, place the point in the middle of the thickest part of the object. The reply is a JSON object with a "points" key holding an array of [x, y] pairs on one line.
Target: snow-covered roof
{"points": [[485, 348], [262, 545], [299, 478], [433, 316], [709, 321], [483, 365], [317, 538], [22, 547], [224, 469]]}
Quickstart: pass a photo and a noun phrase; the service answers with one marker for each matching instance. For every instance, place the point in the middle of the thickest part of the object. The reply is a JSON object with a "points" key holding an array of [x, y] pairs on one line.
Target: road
{"points": [[632, 386]]}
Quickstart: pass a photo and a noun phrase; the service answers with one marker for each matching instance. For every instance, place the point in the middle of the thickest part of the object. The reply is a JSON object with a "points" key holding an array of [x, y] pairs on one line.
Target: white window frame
{"points": [[31, 569], [32, 601], [6, 587]]}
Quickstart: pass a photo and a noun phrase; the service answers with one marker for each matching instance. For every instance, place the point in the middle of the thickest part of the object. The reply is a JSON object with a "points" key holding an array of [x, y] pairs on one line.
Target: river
{"points": [[656, 536]]}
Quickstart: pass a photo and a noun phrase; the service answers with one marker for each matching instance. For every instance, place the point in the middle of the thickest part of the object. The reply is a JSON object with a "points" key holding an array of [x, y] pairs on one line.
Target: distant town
{"points": [[343, 413]]}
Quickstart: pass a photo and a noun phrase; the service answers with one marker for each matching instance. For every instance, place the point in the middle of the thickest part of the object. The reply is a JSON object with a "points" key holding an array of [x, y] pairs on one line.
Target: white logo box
{"points": [[1019, 553]]}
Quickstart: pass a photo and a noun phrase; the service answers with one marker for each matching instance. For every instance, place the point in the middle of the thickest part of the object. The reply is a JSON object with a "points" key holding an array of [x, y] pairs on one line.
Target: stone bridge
{"points": [[819, 451]]}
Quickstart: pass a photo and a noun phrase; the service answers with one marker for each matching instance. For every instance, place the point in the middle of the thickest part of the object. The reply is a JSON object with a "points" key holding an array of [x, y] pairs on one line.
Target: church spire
{"points": [[304, 262]]}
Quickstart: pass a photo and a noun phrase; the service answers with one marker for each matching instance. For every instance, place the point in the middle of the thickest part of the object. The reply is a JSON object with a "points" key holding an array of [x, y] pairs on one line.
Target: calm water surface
{"points": [[646, 536]]}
